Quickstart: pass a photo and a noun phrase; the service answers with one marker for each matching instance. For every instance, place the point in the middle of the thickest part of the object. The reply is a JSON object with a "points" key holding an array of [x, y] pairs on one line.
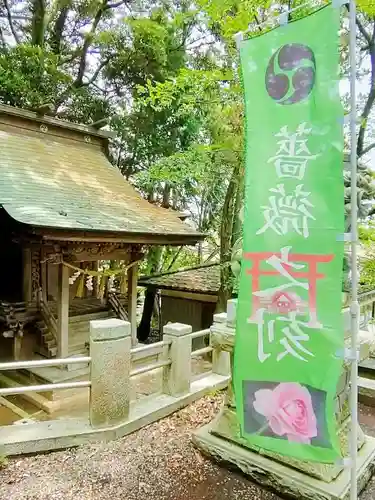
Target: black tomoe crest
{"points": [[290, 74]]}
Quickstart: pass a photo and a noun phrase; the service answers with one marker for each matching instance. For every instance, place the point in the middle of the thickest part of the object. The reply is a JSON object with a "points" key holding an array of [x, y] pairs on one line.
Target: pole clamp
{"points": [[346, 354], [345, 237], [345, 462], [350, 356], [354, 309]]}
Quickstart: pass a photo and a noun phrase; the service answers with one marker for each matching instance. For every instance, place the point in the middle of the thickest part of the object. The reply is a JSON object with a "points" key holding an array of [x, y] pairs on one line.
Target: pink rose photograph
{"points": [[286, 410]]}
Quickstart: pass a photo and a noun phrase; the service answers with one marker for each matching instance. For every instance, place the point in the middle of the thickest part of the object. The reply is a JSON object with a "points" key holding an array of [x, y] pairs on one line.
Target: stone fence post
{"points": [[110, 345], [220, 361], [221, 357], [177, 376]]}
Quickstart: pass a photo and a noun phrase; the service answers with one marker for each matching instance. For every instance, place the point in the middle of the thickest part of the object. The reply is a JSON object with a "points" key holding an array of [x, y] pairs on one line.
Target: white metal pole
{"points": [[354, 309]]}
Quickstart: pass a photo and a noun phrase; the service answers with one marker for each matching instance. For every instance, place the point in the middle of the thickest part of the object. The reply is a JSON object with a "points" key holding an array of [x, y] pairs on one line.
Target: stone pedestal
{"points": [[300, 479], [110, 345], [177, 375]]}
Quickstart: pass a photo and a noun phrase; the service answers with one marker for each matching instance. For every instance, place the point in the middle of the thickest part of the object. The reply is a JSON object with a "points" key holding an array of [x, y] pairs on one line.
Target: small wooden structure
{"points": [[187, 296], [63, 206]]}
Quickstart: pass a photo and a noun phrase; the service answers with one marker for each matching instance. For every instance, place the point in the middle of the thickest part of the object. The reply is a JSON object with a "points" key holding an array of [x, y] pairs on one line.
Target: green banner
{"points": [[289, 333]]}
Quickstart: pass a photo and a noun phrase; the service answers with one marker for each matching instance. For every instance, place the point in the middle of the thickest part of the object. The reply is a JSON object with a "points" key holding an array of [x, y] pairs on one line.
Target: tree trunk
{"points": [[38, 22], [154, 263], [58, 28], [144, 328], [226, 233]]}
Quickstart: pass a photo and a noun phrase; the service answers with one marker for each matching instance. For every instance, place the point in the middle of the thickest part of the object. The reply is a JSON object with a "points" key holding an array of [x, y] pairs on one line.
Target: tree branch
{"points": [[258, 23], [368, 106], [58, 28], [37, 23], [10, 21], [2, 39], [97, 71], [368, 149], [82, 63], [363, 31], [116, 4]]}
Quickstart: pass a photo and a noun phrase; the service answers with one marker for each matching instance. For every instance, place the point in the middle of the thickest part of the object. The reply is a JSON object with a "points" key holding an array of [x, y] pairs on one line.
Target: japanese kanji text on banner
{"points": [[289, 336]]}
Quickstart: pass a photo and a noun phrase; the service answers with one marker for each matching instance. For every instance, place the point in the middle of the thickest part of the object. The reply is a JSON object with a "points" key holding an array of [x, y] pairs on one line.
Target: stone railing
{"points": [[114, 366]]}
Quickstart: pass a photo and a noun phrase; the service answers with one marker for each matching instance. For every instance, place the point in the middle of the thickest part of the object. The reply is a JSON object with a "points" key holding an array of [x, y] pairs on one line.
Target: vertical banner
{"points": [[289, 334]]}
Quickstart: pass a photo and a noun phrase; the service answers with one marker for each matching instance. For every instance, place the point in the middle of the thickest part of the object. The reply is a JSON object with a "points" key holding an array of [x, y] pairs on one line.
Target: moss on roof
{"points": [[62, 179], [204, 280]]}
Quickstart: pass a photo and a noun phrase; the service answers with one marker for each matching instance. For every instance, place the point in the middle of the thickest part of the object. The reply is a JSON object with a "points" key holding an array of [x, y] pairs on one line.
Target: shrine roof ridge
{"points": [[32, 116]]}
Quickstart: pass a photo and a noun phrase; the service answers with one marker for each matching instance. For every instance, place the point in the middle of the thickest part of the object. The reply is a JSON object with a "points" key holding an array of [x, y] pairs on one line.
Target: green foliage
{"points": [[30, 76], [367, 7], [367, 275], [196, 177]]}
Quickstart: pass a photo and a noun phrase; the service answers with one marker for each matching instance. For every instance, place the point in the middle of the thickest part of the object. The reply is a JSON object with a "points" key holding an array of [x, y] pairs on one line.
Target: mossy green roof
{"points": [[62, 179], [203, 280]]}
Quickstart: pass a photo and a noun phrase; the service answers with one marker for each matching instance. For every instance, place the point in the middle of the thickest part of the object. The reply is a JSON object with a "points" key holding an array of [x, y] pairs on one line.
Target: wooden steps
{"points": [[79, 334]]}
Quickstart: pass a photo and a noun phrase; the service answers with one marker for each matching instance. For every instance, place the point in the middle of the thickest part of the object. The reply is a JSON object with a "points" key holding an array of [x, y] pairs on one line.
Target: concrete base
{"points": [[366, 391], [57, 434], [280, 478]]}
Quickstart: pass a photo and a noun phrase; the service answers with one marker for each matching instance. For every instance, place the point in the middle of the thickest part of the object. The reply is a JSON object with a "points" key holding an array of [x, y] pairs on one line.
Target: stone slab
{"points": [[366, 391], [103, 330], [58, 434], [55, 375], [367, 365], [280, 478], [177, 329]]}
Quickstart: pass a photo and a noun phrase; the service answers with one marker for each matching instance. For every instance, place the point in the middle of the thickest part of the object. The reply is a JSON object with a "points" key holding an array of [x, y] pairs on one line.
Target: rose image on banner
{"points": [[286, 410]]}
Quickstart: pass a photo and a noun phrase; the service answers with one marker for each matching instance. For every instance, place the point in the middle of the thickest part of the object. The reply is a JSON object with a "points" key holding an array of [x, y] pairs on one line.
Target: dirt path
{"points": [[156, 463]]}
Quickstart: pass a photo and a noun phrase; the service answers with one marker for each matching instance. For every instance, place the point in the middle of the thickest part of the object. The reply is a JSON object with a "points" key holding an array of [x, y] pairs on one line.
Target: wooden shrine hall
{"points": [[65, 208]]}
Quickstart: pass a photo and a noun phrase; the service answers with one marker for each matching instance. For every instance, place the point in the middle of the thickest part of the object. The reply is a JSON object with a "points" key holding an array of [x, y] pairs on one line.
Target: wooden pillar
{"points": [[132, 301], [27, 279], [44, 278], [17, 343], [63, 312], [95, 282]]}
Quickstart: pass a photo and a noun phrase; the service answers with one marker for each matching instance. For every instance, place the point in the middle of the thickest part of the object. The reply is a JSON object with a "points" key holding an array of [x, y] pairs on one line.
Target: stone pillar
{"points": [[220, 361], [231, 312], [63, 312], [177, 376], [110, 345], [132, 301]]}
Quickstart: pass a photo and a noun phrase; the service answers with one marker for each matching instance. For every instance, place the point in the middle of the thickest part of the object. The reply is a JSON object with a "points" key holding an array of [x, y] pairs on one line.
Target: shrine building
{"points": [[64, 211]]}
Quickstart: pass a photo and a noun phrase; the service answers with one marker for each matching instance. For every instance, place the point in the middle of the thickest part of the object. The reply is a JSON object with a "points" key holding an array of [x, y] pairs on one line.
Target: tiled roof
{"points": [[203, 280], [49, 179]]}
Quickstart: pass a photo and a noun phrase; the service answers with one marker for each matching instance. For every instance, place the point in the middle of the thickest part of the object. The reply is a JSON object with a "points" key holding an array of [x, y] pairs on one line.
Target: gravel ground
{"points": [[156, 463]]}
